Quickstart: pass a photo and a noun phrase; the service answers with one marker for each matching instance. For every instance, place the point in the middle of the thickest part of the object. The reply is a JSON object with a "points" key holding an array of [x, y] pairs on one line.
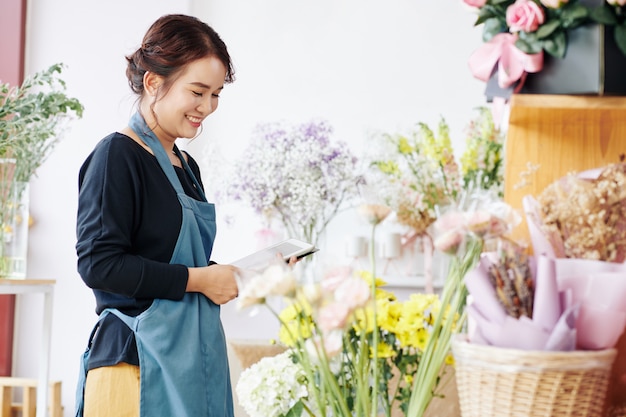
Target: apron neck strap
{"points": [[139, 126]]}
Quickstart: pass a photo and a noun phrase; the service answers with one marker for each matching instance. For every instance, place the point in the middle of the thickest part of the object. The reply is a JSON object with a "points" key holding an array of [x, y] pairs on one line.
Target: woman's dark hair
{"points": [[172, 42]]}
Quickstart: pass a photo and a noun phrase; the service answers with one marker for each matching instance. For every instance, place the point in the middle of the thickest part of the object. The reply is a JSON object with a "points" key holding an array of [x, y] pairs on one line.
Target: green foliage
{"points": [[31, 118], [613, 16]]}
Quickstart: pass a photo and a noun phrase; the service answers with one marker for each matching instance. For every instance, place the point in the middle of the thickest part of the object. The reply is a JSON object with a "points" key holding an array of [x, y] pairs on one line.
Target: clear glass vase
{"points": [[14, 222]]}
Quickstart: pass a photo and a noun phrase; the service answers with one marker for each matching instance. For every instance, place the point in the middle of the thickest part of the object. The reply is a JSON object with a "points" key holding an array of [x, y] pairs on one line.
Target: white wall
{"points": [[361, 64]]}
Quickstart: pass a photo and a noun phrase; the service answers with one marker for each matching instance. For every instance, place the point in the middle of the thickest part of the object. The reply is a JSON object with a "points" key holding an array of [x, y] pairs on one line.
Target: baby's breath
{"points": [[296, 174]]}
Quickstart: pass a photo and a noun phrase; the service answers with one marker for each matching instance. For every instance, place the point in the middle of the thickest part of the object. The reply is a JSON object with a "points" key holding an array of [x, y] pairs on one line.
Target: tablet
{"points": [[288, 248]]}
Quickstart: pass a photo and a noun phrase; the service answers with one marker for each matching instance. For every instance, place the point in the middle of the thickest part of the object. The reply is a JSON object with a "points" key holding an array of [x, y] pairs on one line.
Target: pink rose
{"points": [[524, 15], [332, 345], [452, 220], [475, 3], [449, 241], [334, 277], [555, 4], [616, 2], [479, 222], [353, 292], [333, 316]]}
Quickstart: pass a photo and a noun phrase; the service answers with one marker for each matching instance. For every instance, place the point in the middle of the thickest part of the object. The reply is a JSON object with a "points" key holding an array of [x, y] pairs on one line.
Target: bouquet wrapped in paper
{"points": [[571, 294]]}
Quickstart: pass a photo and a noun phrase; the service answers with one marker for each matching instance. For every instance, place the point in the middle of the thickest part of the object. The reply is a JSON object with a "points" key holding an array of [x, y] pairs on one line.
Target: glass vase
{"points": [[14, 222]]}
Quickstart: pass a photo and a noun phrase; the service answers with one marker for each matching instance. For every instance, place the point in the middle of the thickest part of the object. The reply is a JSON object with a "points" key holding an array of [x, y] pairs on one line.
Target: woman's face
{"points": [[191, 98]]}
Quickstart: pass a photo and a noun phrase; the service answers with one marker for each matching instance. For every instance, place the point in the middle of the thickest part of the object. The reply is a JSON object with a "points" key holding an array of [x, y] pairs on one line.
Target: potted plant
{"points": [[32, 117]]}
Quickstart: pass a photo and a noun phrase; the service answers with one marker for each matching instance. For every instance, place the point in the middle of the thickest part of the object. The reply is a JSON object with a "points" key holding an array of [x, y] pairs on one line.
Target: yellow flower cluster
{"points": [[402, 325]]}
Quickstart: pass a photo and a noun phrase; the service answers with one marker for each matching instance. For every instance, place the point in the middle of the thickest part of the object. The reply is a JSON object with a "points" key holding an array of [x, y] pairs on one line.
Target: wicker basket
{"points": [[501, 382]]}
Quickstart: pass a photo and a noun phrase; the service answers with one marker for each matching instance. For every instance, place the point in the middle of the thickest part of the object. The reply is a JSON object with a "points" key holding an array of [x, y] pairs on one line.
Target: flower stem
{"points": [[449, 319], [374, 409]]}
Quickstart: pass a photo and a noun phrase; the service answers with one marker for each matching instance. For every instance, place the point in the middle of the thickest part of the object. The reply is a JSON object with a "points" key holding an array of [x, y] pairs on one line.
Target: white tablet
{"points": [[287, 248]]}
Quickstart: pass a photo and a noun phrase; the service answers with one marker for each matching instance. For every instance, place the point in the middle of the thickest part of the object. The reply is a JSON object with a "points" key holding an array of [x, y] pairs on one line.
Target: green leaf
{"points": [[296, 410], [556, 45], [604, 15], [484, 14], [529, 43], [573, 15], [620, 37], [492, 27], [547, 29]]}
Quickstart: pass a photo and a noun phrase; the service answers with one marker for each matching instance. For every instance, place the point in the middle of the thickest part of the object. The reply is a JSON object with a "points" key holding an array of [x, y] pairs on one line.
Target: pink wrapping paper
{"points": [[593, 291], [552, 329]]}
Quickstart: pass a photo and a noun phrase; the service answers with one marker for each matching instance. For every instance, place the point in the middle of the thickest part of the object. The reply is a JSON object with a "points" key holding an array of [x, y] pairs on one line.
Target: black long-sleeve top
{"points": [[127, 227]]}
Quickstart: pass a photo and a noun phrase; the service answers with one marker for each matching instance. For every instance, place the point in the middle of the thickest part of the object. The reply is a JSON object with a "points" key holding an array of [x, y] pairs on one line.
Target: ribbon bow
{"points": [[512, 63]]}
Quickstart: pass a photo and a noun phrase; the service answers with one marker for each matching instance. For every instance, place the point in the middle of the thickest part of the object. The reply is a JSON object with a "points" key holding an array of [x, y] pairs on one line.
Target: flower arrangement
{"points": [[295, 173], [482, 161], [419, 172], [32, 118], [363, 351], [518, 32], [345, 346], [536, 25], [551, 300]]}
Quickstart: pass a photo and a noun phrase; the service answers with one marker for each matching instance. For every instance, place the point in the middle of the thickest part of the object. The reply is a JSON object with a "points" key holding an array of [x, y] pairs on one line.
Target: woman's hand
{"points": [[216, 282]]}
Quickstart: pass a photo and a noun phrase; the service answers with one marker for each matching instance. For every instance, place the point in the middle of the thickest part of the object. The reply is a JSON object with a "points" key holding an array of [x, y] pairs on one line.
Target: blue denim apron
{"points": [[181, 344]]}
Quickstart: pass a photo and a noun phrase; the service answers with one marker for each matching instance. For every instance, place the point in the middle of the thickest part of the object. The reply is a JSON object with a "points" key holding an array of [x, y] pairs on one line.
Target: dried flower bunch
{"points": [[512, 279], [586, 218]]}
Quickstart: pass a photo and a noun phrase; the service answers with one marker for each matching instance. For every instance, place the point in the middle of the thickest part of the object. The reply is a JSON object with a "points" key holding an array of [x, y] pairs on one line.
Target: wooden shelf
{"points": [[559, 134]]}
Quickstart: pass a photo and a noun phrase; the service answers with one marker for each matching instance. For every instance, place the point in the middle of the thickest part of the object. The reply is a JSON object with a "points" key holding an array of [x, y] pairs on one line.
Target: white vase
{"points": [[14, 222]]}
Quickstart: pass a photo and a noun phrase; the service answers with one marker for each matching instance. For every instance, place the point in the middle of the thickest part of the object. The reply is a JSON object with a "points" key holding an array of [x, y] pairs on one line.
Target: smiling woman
{"points": [[294, 61], [145, 236]]}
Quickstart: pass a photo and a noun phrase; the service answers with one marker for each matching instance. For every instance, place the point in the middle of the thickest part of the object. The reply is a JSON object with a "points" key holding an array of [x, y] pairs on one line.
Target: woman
{"points": [[144, 237]]}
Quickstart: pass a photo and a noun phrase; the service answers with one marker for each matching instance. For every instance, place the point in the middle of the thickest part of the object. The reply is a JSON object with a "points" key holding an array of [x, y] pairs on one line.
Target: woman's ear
{"points": [[151, 83]]}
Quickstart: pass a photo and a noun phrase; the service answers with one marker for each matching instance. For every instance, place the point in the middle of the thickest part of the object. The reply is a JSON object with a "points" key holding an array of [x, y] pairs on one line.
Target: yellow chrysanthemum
{"points": [[293, 331], [367, 276], [387, 315], [364, 320], [297, 323], [384, 351]]}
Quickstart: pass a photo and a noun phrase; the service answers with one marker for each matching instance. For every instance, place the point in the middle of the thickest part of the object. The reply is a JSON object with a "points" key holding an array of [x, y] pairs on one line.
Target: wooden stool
{"points": [[29, 397]]}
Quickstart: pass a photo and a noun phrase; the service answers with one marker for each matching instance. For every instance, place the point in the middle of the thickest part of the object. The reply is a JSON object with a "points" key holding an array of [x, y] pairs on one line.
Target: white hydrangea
{"points": [[270, 387]]}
